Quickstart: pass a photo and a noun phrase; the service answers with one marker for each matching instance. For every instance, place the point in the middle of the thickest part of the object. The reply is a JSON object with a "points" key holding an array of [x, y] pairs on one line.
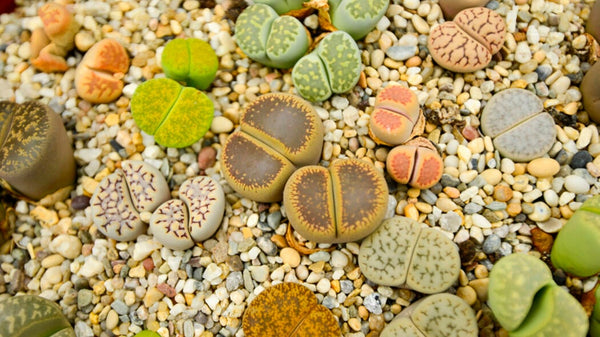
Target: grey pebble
{"points": [[274, 219], [135, 319], [124, 318], [401, 53], [234, 280], [429, 197], [320, 256], [491, 244], [447, 180], [373, 303], [197, 274], [496, 206], [120, 307], [450, 222], [188, 328], [472, 208], [266, 245], [479, 181], [83, 330], [543, 71], [493, 5], [542, 89], [502, 231], [346, 286], [505, 249], [84, 297], [201, 318], [330, 302]]}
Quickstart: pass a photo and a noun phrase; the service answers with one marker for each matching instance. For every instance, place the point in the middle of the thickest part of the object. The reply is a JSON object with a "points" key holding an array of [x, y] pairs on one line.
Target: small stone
{"points": [[541, 240], [166, 289], [290, 256], [80, 202], [491, 244], [480, 221], [221, 124], [450, 222], [543, 167], [143, 249], [68, 246], [120, 307], [338, 259], [84, 298], [91, 267], [373, 303], [266, 245], [580, 159], [401, 53], [541, 212], [502, 193], [576, 184], [207, 157]]}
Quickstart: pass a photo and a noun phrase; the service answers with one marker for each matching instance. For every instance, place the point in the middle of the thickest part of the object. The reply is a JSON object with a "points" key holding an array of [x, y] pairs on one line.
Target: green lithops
{"points": [[527, 302], [333, 67], [29, 315], [356, 17], [577, 245], [282, 6], [191, 61], [595, 318], [273, 40], [147, 333], [177, 116]]}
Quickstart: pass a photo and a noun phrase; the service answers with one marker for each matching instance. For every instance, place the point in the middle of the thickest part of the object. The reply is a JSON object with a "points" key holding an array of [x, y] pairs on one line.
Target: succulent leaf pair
{"points": [[30, 315]]}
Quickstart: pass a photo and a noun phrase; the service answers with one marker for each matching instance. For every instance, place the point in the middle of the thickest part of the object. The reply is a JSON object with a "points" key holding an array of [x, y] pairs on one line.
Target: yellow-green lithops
{"points": [[192, 61], [356, 17], [282, 6], [595, 318], [30, 315]]}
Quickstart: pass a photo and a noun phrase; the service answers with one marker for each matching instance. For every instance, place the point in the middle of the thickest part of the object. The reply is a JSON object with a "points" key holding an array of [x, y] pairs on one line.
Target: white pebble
{"points": [[576, 184]]}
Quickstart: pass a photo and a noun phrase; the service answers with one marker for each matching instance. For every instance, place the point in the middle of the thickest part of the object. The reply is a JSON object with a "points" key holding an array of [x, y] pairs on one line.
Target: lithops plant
{"points": [[177, 116], [195, 217], [147, 333], [30, 315], [595, 318], [36, 157], [273, 40], [432, 316], [99, 75], [416, 163], [282, 6], [406, 253], [527, 302], [288, 310], [468, 42], [593, 23], [453, 7], [333, 67], [357, 17], [520, 129], [278, 133], [121, 196], [191, 61], [577, 245], [589, 86], [342, 203]]}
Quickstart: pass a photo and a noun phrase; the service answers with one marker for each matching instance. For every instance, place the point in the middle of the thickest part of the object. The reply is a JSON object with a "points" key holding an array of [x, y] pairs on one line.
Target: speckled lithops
{"points": [[278, 133], [273, 40], [416, 163], [177, 224], [191, 61], [520, 129], [333, 67], [527, 302], [30, 315], [405, 253], [343, 203], [357, 17], [120, 198], [433, 316], [468, 42]]}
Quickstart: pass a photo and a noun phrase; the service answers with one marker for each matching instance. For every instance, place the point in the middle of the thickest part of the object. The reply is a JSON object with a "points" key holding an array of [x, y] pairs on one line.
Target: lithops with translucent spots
{"points": [[520, 129], [590, 90], [395, 115], [30, 315], [191, 61], [177, 116], [468, 42], [273, 40], [288, 310], [356, 17], [282, 6], [121, 196], [527, 302], [416, 163], [177, 224], [278, 133], [36, 157], [333, 67], [343, 203], [405, 253]]}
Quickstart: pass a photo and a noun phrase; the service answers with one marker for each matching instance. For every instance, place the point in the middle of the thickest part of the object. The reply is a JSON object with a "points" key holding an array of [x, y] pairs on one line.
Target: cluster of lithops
{"points": [[288, 310], [342, 203], [36, 157], [518, 125], [357, 17], [406, 253], [278, 133], [468, 42], [120, 197], [590, 90], [416, 163], [190, 61], [433, 316], [194, 217], [452, 7], [99, 75], [526, 301], [29, 315]]}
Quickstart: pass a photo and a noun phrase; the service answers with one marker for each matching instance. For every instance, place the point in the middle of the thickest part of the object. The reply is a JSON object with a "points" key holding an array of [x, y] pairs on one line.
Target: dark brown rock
{"points": [[591, 91], [593, 22]]}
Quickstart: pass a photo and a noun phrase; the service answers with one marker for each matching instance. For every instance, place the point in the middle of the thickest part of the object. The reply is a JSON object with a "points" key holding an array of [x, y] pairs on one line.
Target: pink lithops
{"points": [[120, 198], [396, 117], [194, 217], [416, 163]]}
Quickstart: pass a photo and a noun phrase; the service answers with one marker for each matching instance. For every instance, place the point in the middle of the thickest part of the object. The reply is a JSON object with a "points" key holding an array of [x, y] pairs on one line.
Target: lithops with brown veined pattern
{"points": [[416, 163], [120, 198], [278, 133], [342, 203]]}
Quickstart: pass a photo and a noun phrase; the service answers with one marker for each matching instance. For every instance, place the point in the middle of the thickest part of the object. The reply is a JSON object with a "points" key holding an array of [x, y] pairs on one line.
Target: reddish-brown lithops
{"points": [[278, 133], [416, 163], [194, 217], [453, 7], [120, 198], [343, 203]]}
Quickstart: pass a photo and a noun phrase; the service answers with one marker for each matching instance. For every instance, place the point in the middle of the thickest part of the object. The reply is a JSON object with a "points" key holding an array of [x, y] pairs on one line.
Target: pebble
{"points": [[580, 159], [543, 167], [576, 184], [373, 303], [290, 256], [91, 267], [541, 212], [68, 246], [338, 259], [401, 53], [491, 244], [450, 222], [221, 124]]}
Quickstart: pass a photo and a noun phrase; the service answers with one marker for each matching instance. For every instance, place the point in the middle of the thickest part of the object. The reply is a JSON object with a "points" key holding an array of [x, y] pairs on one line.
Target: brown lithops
{"points": [[416, 163], [453, 7], [36, 157], [99, 75], [120, 198], [278, 133], [288, 310], [343, 203], [591, 90]]}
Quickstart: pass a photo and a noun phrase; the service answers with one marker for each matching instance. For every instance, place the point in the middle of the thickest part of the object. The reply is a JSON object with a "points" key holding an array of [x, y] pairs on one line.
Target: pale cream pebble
{"points": [[290, 256]]}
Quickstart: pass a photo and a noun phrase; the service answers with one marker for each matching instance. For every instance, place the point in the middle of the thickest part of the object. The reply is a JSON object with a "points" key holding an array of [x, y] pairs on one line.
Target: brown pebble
{"points": [[470, 133], [148, 264], [207, 157], [166, 289], [414, 61], [541, 240], [502, 193], [80, 202]]}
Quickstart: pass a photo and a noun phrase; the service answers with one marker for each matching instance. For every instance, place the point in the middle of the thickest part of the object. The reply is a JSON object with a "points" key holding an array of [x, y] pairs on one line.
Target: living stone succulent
{"points": [[282, 6], [30, 315], [147, 333], [192, 61], [357, 17], [527, 302], [589, 85], [416, 163], [595, 318], [453, 7], [273, 40]]}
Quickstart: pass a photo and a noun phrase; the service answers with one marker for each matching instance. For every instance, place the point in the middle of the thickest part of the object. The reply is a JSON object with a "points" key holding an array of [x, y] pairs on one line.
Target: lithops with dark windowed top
{"points": [[29, 315]]}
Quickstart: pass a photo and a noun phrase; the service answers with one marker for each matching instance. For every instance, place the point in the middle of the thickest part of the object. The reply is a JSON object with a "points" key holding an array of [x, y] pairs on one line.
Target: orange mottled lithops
{"points": [[288, 310], [396, 115], [278, 133], [416, 163], [468, 42], [341, 204]]}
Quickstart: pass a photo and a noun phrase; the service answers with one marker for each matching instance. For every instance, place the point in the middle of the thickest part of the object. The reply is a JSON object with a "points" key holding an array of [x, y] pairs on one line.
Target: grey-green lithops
{"points": [[527, 302], [273, 40], [333, 67], [29, 315], [356, 17], [282, 6], [405, 253], [595, 318]]}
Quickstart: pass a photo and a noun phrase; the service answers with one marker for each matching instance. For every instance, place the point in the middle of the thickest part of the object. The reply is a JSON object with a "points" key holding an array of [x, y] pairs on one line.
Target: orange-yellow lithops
{"points": [[416, 163], [341, 204], [278, 133], [395, 116]]}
